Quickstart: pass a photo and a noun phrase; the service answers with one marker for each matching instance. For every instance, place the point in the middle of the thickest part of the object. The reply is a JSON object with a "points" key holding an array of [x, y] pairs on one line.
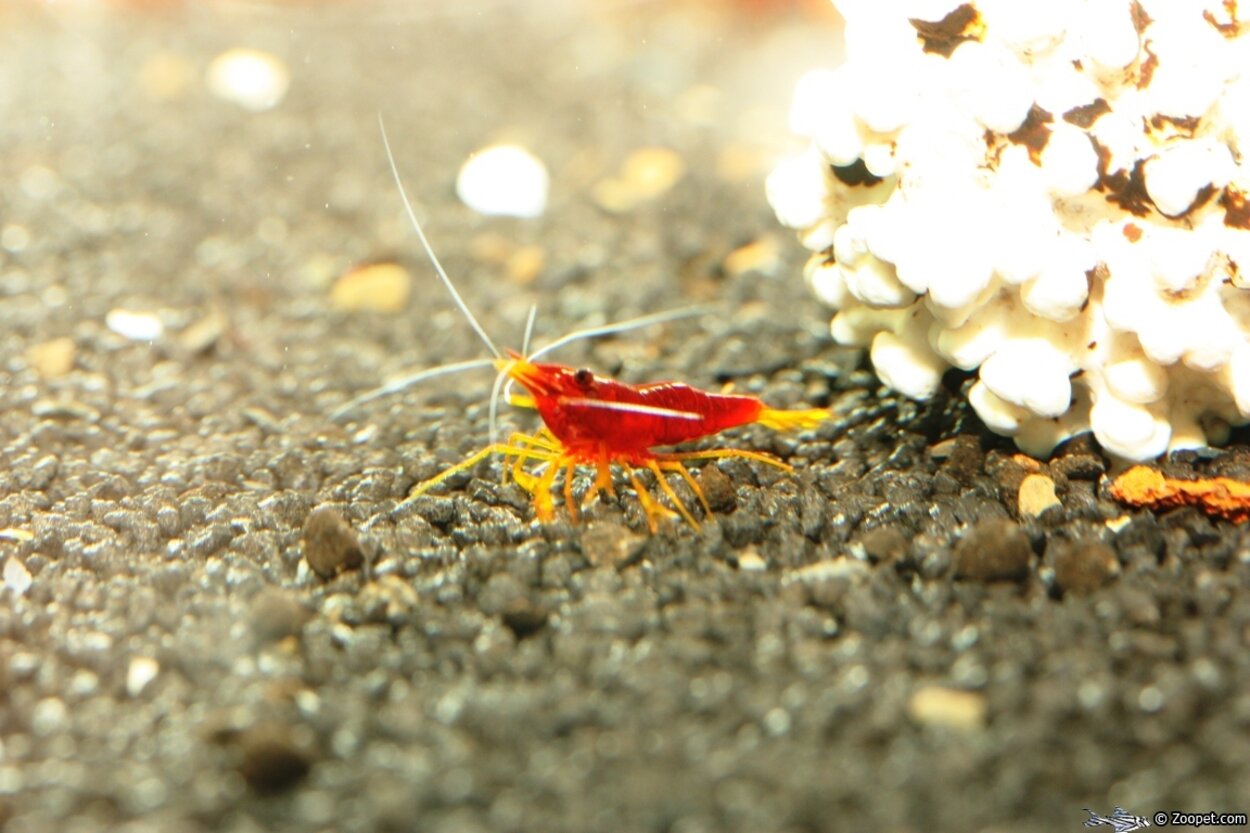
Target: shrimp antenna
{"points": [[619, 327], [406, 382], [429, 250], [502, 376], [529, 329]]}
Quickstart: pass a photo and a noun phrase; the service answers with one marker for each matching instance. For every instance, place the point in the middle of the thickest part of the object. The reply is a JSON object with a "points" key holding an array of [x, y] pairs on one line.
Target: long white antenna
{"points": [[405, 383], [429, 250], [618, 327]]}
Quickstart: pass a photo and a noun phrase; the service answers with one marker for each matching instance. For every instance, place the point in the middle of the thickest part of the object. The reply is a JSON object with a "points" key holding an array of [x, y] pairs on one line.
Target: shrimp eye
{"points": [[584, 377]]}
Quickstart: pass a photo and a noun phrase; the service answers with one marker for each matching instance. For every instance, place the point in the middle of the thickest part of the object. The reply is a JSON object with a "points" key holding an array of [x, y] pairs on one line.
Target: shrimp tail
{"points": [[800, 420]]}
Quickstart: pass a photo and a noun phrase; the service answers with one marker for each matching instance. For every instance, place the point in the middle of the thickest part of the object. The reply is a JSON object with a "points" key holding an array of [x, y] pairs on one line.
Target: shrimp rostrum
{"points": [[597, 422]]}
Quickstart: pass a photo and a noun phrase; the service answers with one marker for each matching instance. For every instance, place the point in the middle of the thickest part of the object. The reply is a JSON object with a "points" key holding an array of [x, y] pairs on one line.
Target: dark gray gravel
{"points": [[877, 642]]}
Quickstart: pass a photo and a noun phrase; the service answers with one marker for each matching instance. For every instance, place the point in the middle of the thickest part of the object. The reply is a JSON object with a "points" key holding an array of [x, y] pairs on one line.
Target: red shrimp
{"points": [[590, 420]]}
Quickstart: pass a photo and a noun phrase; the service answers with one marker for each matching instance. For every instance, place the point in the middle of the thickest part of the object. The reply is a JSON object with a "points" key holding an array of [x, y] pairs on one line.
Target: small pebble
{"points": [[1085, 566], [751, 561], [272, 760], [250, 78], [277, 614], [1116, 524], [993, 550], [51, 359], [203, 334], [884, 544], [954, 709], [760, 256], [610, 544], [645, 174], [504, 180], [524, 618], [718, 488], [1079, 466], [136, 326], [1037, 494], [16, 577], [166, 75], [140, 674], [330, 544], [374, 287]]}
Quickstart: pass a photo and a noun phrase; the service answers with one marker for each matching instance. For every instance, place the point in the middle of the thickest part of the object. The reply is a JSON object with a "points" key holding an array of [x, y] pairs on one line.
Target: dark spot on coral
{"points": [[856, 173], [1230, 28], [1085, 115], [1174, 125], [941, 37], [1236, 209], [1147, 69], [1132, 231], [1126, 189], [1140, 19], [1200, 199], [1034, 133]]}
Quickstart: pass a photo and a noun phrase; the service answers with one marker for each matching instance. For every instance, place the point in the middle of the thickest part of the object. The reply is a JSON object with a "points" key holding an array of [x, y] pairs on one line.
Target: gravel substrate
{"points": [[215, 614]]}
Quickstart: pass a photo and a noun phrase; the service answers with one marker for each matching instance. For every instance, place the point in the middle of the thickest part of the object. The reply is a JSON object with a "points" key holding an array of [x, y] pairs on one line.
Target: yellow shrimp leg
{"points": [[672, 465], [651, 507], [654, 468]]}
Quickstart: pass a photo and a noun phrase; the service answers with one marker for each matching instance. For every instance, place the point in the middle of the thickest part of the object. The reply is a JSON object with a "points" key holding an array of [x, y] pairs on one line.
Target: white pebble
{"points": [[136, 326], [250, 78], [142, 671], [16, 577], [504, 180]]}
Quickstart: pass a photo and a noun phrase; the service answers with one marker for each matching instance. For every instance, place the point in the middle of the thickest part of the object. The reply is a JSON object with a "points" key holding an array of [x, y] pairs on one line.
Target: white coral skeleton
{"points": [[1051, 193]]}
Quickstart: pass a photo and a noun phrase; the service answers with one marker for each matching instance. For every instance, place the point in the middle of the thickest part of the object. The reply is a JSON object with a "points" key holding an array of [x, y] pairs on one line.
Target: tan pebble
{"points": [[954, 709], [1116, 524], [166, 75], [11, 533], [526, 264], [610, 544], [52, 358], [375, 287], [751, 562], [1037, 494], [759, 256], [645, 174], [1083, 567], [203, 334], [330, 543]]}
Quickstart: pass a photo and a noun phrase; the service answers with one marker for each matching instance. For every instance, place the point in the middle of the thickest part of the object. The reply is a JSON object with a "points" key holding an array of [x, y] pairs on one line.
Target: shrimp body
{"points": [[591, 413], [589, 420]]}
